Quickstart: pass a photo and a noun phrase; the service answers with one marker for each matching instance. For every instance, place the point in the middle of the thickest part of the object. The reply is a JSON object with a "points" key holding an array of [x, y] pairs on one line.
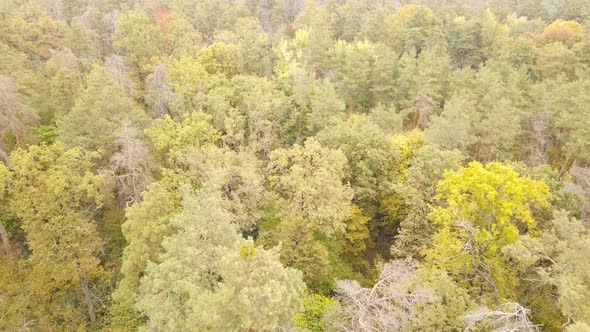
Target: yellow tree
{"points": [[53, 193], [482, 209]]}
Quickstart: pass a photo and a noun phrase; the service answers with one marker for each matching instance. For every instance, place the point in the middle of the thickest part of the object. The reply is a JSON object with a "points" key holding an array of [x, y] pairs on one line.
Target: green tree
{"points": [[350, 15], [299, 86], [375, 24], [226, 280], [353, 67], [187, 77], [493, 35], [300, 248], [555, 59], [497, 95], [389, 119], [384, 75], [563, 118], [206, 23], [316, 306], [266, 112], [33, 31], [82, 39], [99, 113], [253, 45], [310, 46], [571, 123], [355, 236], [556, 257], [371, 155], [170, 137], [235, 176], [178, 34], [452, 128], [464, 40], [140, 39], [238, 175], [413, 29], [65, 73], [226, 115], [20, 68], [146, 224], [417, 189], [221, 58], [315, 30], [421, 84], [308, 182]]}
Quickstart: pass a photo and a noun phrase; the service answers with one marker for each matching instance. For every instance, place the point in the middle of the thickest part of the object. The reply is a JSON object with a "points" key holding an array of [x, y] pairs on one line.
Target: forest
{"points": [[295, 165]]}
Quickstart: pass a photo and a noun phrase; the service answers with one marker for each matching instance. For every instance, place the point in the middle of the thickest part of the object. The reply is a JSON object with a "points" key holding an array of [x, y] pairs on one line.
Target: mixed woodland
{"points": [[290, 165]]}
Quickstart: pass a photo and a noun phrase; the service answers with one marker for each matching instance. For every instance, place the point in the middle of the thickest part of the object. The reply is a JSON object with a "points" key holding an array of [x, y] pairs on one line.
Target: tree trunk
{"points": [[266, 24], [5, 240], [299, 128], [566, 166], [4, 157], [267, 27], [87, 298]]}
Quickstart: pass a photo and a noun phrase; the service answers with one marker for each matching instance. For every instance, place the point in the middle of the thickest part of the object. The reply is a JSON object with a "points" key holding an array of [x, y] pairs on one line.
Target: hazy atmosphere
{"points": [[294, 165]]}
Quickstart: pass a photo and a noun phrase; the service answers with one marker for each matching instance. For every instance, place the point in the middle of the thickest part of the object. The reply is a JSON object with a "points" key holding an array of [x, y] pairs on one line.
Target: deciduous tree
{"points": [[99, 112], [482, 209], [53, 192], [16, 118]]}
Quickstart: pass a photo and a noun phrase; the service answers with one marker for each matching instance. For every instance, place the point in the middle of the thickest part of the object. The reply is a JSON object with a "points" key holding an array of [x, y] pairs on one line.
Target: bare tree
{"points": [[511, 317], [4, 156], [390, 305], [580, 186], [89, 22], [109, 23], [116, 67], [5, 240], [159, 95], [236, 174], [537, 146], [481, 268], [423, 107], [15, 117], [66, 59], [292, 8], [53, 7], [132, 166]]}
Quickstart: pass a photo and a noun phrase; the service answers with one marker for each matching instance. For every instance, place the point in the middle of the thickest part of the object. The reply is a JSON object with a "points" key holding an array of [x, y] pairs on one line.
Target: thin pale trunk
{"points": [[4, 157], [300, 127], [566, 166], [566, 324], [5, 240], [487, 278], [87, 298], [417, 116], [267, 26]]}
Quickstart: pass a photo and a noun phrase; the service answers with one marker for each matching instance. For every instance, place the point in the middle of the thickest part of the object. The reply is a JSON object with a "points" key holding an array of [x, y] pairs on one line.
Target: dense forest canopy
{"points": [[291, 165]]}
